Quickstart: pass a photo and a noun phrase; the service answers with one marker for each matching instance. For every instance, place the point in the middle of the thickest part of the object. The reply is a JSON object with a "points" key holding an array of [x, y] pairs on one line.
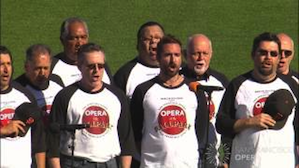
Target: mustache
{"points": [[267, 62]]}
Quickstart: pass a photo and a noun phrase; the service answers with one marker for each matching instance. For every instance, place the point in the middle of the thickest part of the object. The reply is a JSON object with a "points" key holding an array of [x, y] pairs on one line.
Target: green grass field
{"points": [[231, 25]]}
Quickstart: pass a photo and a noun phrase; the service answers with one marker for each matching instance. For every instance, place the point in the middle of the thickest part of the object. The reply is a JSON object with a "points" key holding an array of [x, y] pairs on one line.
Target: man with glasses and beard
{"points": [[257, 139]]}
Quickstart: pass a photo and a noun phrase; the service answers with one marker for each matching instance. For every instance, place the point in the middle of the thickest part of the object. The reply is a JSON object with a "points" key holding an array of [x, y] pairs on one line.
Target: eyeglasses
{"points": [[151, 39], [265, 52], [287, 53]]}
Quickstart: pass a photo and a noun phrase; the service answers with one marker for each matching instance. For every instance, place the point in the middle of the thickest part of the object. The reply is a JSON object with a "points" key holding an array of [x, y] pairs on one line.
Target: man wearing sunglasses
{"points": [[101, 106], [287, 55], [255, 142]]}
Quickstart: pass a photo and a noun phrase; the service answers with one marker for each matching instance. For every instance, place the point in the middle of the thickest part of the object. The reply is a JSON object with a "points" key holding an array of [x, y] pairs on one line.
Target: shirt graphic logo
{"points": [[211, 108], [5, 116], [258, 106], [97, 118], [172, 120]]}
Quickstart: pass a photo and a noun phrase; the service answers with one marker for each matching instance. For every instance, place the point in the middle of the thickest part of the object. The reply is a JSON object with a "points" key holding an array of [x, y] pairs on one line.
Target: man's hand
{"points": [[262, 120], [12, 129], [259, 121]]}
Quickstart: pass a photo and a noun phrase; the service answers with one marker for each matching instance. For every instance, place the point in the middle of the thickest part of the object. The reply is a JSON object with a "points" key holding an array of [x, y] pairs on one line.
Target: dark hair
{"points": [[147, 24], [167, 39], [87, 48], [5, 50], [266, 36], [36, 50], [64, 31]]}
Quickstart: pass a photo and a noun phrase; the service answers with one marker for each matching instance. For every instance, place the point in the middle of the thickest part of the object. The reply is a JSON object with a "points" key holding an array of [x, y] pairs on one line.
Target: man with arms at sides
{"points": [[104, 107], [73, 34], [145, 66], [37, 78], [198, 55], [169, 120], [287, 55], [241, 115], [13, 145]]}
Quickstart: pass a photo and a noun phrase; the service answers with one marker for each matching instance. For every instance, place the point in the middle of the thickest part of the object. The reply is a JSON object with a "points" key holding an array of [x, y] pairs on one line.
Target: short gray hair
{"points": [[36, 50], [190, 39], [64, 31]]}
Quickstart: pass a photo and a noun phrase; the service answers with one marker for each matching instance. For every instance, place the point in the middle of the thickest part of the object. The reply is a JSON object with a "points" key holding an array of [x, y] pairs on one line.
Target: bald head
{"points": [[199, 53], [287, 48], [198, 39], [285, 39]]}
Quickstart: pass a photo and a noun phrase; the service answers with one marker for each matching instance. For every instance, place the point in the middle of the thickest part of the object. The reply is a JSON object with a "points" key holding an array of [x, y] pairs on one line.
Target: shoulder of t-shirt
{"points": [[116, 91], [68, 91], [236, 82], [24, 91], [291, 82], [148, 84], [55, 78], [220, 77], [126, 68], [122, 74], [22, 80], [294, 73]]}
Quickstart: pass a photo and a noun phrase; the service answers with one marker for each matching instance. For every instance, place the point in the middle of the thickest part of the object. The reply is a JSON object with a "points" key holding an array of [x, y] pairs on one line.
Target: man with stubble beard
{"points": [[256, 141], [169, 120]]}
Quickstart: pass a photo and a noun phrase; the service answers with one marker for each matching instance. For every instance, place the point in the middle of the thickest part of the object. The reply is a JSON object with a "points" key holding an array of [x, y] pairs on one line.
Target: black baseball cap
{"points": [[279, 106], [27, 113]]}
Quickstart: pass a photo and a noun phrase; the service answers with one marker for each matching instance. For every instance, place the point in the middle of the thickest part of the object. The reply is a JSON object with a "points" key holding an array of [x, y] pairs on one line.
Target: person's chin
{"points": [[96, 81], [199, 70], [153, 56], [266, 71]]}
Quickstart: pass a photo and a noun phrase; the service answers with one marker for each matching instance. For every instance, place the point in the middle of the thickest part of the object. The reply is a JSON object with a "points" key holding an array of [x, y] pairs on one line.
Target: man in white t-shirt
{"points": [[73, 34], [241, 114]]}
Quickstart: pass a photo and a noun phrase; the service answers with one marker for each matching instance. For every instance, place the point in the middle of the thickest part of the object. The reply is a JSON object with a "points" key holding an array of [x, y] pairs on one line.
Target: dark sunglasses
{"points": [[265, 52], [287, 53], [94, 66]]}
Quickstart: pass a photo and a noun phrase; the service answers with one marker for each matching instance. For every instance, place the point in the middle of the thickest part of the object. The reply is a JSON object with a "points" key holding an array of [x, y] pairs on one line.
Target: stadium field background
{"points": [[230, 24]]}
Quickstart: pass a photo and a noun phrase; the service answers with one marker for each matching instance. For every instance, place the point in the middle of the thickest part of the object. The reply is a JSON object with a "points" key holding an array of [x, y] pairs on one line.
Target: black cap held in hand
{"points": [[279, 106], [27, 113]]}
